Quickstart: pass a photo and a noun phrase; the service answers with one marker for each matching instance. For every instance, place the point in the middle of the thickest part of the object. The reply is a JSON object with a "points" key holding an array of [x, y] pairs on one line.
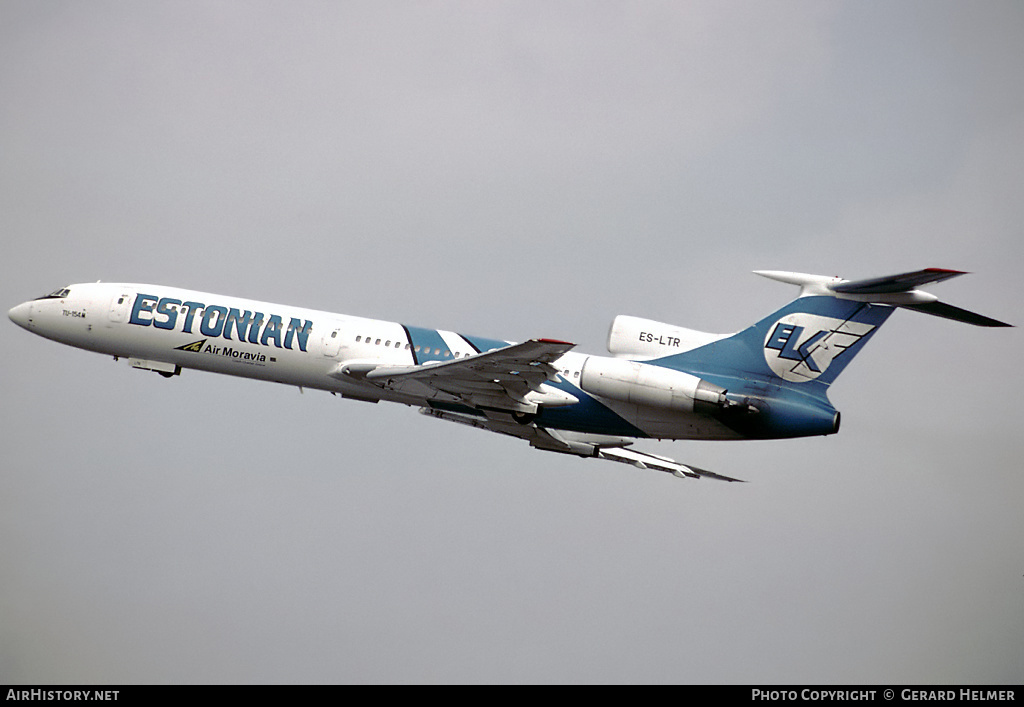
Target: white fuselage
{"points": [[167, 329]]}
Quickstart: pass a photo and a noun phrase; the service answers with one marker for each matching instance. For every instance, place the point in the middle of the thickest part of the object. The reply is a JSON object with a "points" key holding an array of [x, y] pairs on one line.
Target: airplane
{"points": [[768, 381]]}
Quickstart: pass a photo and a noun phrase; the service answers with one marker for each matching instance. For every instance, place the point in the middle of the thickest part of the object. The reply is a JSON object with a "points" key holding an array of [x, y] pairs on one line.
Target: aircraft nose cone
{"points": [[21, 315]]}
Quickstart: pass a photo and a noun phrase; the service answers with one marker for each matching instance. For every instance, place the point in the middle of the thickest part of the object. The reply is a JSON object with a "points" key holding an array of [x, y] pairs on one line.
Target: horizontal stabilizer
{"points": [[948, 311], [904, 282], [893, 290]]}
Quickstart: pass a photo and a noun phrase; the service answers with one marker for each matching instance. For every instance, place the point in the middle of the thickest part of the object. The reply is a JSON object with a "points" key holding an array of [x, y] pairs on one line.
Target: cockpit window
{"points": [[57, 294]]}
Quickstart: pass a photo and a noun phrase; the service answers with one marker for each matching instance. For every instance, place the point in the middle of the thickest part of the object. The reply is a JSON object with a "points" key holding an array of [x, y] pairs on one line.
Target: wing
{"points": [[579, 444], [644, 460], [510, 379]]}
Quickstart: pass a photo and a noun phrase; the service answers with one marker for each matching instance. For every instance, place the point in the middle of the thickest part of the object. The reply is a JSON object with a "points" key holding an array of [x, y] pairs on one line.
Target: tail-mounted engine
{"points": [[633, 336], [760, 413], [652, 386]]}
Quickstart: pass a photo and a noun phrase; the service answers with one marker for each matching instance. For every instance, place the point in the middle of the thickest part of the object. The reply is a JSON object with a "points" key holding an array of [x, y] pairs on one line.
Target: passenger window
{"points": [[358, 338]]}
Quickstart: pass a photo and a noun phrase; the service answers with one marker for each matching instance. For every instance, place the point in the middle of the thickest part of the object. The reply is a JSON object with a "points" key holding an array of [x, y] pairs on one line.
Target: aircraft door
{"points": [[332, 341], [120, 306]]}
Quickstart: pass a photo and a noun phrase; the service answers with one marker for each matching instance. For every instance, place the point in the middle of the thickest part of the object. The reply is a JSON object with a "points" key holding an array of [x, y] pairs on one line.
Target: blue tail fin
{"points": [[806, 343], [812, 339], [776, 373]]}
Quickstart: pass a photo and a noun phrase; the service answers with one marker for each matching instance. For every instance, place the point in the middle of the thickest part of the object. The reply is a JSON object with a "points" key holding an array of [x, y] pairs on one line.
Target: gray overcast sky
{"points": [[510, 170]]}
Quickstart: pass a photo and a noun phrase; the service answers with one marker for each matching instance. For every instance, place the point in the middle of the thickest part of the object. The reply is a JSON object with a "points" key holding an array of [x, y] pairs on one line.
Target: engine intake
{"points": [[633, 336]]}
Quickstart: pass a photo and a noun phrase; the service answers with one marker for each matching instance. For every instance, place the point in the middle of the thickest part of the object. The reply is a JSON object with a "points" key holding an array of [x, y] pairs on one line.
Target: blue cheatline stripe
{"points": [[426, 344], [480, 344], [588, 415]]}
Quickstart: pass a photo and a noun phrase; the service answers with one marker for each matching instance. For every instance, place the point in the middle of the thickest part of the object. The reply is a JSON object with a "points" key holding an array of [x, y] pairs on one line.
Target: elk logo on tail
{"points": [[800, 346]]}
